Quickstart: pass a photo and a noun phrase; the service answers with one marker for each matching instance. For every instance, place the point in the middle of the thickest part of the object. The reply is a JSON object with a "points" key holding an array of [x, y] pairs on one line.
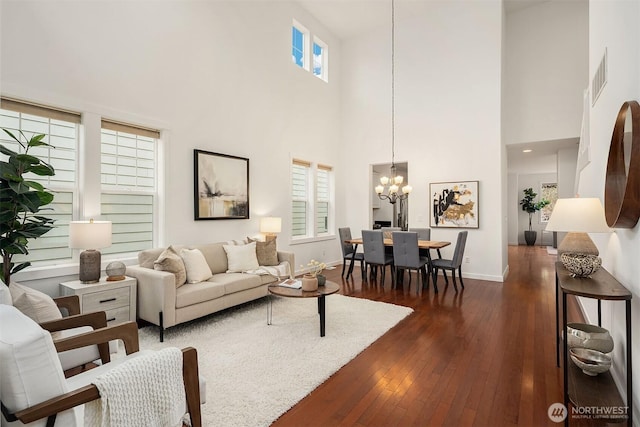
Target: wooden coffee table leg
{"points": [[322, 312]]}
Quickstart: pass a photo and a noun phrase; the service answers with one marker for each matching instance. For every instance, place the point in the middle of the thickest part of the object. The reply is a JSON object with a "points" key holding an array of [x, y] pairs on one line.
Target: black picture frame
{"points": [[221, 186]]}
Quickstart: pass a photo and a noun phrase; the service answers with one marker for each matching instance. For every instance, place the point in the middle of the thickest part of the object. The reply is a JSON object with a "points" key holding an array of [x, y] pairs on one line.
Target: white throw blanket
{"points": [[281, 270], [146, 391]]}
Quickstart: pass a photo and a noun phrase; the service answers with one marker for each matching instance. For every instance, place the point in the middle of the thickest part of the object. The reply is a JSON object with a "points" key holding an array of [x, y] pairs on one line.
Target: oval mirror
{"points": [[622, 185]]}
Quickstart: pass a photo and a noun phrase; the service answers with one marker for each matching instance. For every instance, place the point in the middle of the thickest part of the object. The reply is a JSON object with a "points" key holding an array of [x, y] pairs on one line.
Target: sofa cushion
{"points": [[171, 261], [266, 252], [194, 293], [241, 258], [35, 304], [196, 265], [30, 368], [215, 255], [236, 282]]}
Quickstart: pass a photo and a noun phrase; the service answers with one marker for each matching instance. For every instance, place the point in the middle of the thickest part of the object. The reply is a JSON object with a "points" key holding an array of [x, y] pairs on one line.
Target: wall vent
{"points": [[599, 79]]}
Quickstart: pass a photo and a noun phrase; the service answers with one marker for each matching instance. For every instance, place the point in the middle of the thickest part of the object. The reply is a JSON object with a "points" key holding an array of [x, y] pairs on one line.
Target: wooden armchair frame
{"points": [[128, 333]]}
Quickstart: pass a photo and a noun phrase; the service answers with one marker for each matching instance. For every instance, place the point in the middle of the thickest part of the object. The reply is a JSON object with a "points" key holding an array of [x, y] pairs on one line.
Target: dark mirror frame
{"points": [[622, 185]]}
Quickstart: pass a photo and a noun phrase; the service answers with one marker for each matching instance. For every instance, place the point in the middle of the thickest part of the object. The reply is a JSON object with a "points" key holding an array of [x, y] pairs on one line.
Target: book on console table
{"points": [[291, 283]]}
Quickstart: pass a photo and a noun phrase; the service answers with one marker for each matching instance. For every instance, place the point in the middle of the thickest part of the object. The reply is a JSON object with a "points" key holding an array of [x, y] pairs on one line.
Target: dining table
{"points": [[422, 244]]}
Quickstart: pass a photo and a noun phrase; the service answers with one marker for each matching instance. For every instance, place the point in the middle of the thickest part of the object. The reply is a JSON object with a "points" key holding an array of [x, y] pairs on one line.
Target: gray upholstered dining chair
{"points": [[374, 254], [406, 255], [452, 264], [348, 255], [423, 233]]}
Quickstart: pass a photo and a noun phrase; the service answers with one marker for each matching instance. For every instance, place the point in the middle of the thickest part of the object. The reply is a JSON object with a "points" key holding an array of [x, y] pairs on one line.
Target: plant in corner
{"points": [[531, 207], [20, 201]]}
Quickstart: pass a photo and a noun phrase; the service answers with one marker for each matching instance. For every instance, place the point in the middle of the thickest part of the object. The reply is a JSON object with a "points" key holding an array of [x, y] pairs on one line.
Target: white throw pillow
{"points": [[35, 304], [196, 265], [241, 258]]}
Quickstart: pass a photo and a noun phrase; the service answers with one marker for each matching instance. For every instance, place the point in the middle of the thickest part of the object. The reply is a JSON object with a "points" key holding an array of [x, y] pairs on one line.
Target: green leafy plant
{"points": [[20, 201], [528, 204]]}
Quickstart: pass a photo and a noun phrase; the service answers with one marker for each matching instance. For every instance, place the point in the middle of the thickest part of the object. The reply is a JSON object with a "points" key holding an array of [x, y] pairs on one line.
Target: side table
{"points": [[117, 299], [579, 389]]}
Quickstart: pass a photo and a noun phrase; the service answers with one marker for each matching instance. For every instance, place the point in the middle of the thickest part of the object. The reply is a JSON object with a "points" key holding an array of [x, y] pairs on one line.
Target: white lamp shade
{"points": [[271, 224], [89, 234], [578, 215]]}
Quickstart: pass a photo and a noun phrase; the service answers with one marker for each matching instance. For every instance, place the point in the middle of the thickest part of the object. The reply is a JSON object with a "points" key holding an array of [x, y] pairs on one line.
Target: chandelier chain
{"points": [[393, 81]]}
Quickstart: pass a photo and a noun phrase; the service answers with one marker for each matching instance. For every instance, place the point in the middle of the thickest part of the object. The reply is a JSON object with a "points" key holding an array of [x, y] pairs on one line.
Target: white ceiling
{"points": [[347, 18]]}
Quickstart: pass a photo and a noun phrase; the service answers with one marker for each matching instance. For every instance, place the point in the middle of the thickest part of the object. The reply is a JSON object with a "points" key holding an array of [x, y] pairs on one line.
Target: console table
{"points": [[582, 390]]}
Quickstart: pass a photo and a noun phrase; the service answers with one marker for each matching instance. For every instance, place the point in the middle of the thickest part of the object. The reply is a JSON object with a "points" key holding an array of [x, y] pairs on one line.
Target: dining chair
{"points": [[348, 254], [406, 255], [423, 233], [452, 264], [374, 254], [386, 231]]}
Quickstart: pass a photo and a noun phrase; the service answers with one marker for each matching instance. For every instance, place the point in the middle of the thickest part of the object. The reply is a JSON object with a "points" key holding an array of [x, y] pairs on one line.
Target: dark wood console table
{"points": [[579, 389]]}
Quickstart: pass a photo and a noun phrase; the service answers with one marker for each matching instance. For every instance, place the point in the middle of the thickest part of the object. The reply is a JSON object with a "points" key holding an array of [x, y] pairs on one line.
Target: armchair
{"points": [[34, 389]]}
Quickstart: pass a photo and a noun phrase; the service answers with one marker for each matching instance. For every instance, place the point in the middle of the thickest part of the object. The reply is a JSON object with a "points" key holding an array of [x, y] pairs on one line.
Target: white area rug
{"points": [[256, 372]]}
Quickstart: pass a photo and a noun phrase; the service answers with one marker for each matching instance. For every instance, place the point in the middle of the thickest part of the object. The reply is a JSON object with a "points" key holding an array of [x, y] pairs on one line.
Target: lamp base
{"points": [[577, 243], [90, 266]]}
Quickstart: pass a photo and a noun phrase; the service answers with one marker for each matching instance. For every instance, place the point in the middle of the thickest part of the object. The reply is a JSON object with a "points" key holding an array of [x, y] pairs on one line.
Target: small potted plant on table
{"points": [[531, 207]]}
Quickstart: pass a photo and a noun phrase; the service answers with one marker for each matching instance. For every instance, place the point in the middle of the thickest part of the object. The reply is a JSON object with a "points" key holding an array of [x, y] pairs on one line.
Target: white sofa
{"points": [[161, 303]]}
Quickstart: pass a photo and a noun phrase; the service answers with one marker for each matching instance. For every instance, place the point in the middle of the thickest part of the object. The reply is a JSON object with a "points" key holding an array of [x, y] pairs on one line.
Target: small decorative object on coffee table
{"points": [[309, 283], [115, 271]]}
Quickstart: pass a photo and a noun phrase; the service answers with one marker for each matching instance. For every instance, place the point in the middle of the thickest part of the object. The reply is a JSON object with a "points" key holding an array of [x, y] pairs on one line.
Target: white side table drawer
{"points": [[117, 298], [106, 300]]}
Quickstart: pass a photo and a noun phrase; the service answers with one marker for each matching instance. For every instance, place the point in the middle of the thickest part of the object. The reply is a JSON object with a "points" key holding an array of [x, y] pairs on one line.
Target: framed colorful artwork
{"points": [[454, 204], [221, 186]]}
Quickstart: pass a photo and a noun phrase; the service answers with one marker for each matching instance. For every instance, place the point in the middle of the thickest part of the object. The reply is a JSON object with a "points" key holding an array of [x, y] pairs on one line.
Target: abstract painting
{"points": [[221, 186], [454, 204]]}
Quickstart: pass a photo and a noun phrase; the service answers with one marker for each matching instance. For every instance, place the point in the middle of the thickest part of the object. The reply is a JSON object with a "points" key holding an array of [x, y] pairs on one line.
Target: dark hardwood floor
{"points": [[483, 356]]}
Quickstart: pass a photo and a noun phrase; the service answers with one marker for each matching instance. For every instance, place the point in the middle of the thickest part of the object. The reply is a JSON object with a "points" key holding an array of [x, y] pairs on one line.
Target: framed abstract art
{"points": [[221, 186], [454, 204]]}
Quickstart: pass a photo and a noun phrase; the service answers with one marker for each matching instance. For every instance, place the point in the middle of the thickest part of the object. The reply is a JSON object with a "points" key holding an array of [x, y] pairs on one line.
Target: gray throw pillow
{"points": [[170, 261], [266, 252]]}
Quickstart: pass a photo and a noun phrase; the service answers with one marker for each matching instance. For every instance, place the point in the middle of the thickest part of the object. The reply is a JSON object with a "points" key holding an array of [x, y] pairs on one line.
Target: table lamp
{"points": [[270, 226], [578, 216], [89, 235]]}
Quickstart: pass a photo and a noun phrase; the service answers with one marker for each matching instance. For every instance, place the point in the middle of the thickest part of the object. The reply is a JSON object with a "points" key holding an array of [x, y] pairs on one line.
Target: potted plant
{"points": [[20, 202], [311, 280], [531, 207]]}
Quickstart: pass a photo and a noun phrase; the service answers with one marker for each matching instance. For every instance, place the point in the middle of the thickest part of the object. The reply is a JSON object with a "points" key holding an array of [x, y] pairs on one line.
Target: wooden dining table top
{"points": [[422, 244]]}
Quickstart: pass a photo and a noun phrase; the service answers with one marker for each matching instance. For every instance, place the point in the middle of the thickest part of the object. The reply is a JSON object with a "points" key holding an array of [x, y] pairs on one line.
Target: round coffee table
{"points": [[281, 291]]}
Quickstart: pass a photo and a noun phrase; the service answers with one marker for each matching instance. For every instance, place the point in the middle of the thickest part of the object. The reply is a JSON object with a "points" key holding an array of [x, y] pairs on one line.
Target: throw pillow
{"points": [[241, 258], [171, 261], [196, 266], [35, 304], [266, 252], [5, 295]]}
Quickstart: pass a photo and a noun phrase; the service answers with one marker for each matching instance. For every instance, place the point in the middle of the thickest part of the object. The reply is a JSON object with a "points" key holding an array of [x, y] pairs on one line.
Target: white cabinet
{"points": [[117, 298]]}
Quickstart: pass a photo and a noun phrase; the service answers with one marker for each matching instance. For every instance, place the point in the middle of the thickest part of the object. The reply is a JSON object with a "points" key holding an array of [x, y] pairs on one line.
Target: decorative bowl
{"points": [[593, 337], [592, 362], [581, 265]]}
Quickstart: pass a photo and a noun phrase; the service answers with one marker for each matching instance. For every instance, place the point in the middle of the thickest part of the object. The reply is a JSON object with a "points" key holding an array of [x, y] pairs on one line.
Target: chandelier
{"points": [[393, 193]]}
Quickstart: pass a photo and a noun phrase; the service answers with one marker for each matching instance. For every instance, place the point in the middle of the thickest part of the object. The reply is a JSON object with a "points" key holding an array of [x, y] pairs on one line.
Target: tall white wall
{"points": [[215, 76], [614, 25], [547, 59], [448, 79]]}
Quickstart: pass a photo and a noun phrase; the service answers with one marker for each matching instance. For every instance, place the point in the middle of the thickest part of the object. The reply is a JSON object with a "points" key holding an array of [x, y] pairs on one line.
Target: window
{"points": [[299, 36], [311, 196], [323, 193], [319, 59], [128, 179], [127, 170], [61, 130], [299, 197], [300, 47]]}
